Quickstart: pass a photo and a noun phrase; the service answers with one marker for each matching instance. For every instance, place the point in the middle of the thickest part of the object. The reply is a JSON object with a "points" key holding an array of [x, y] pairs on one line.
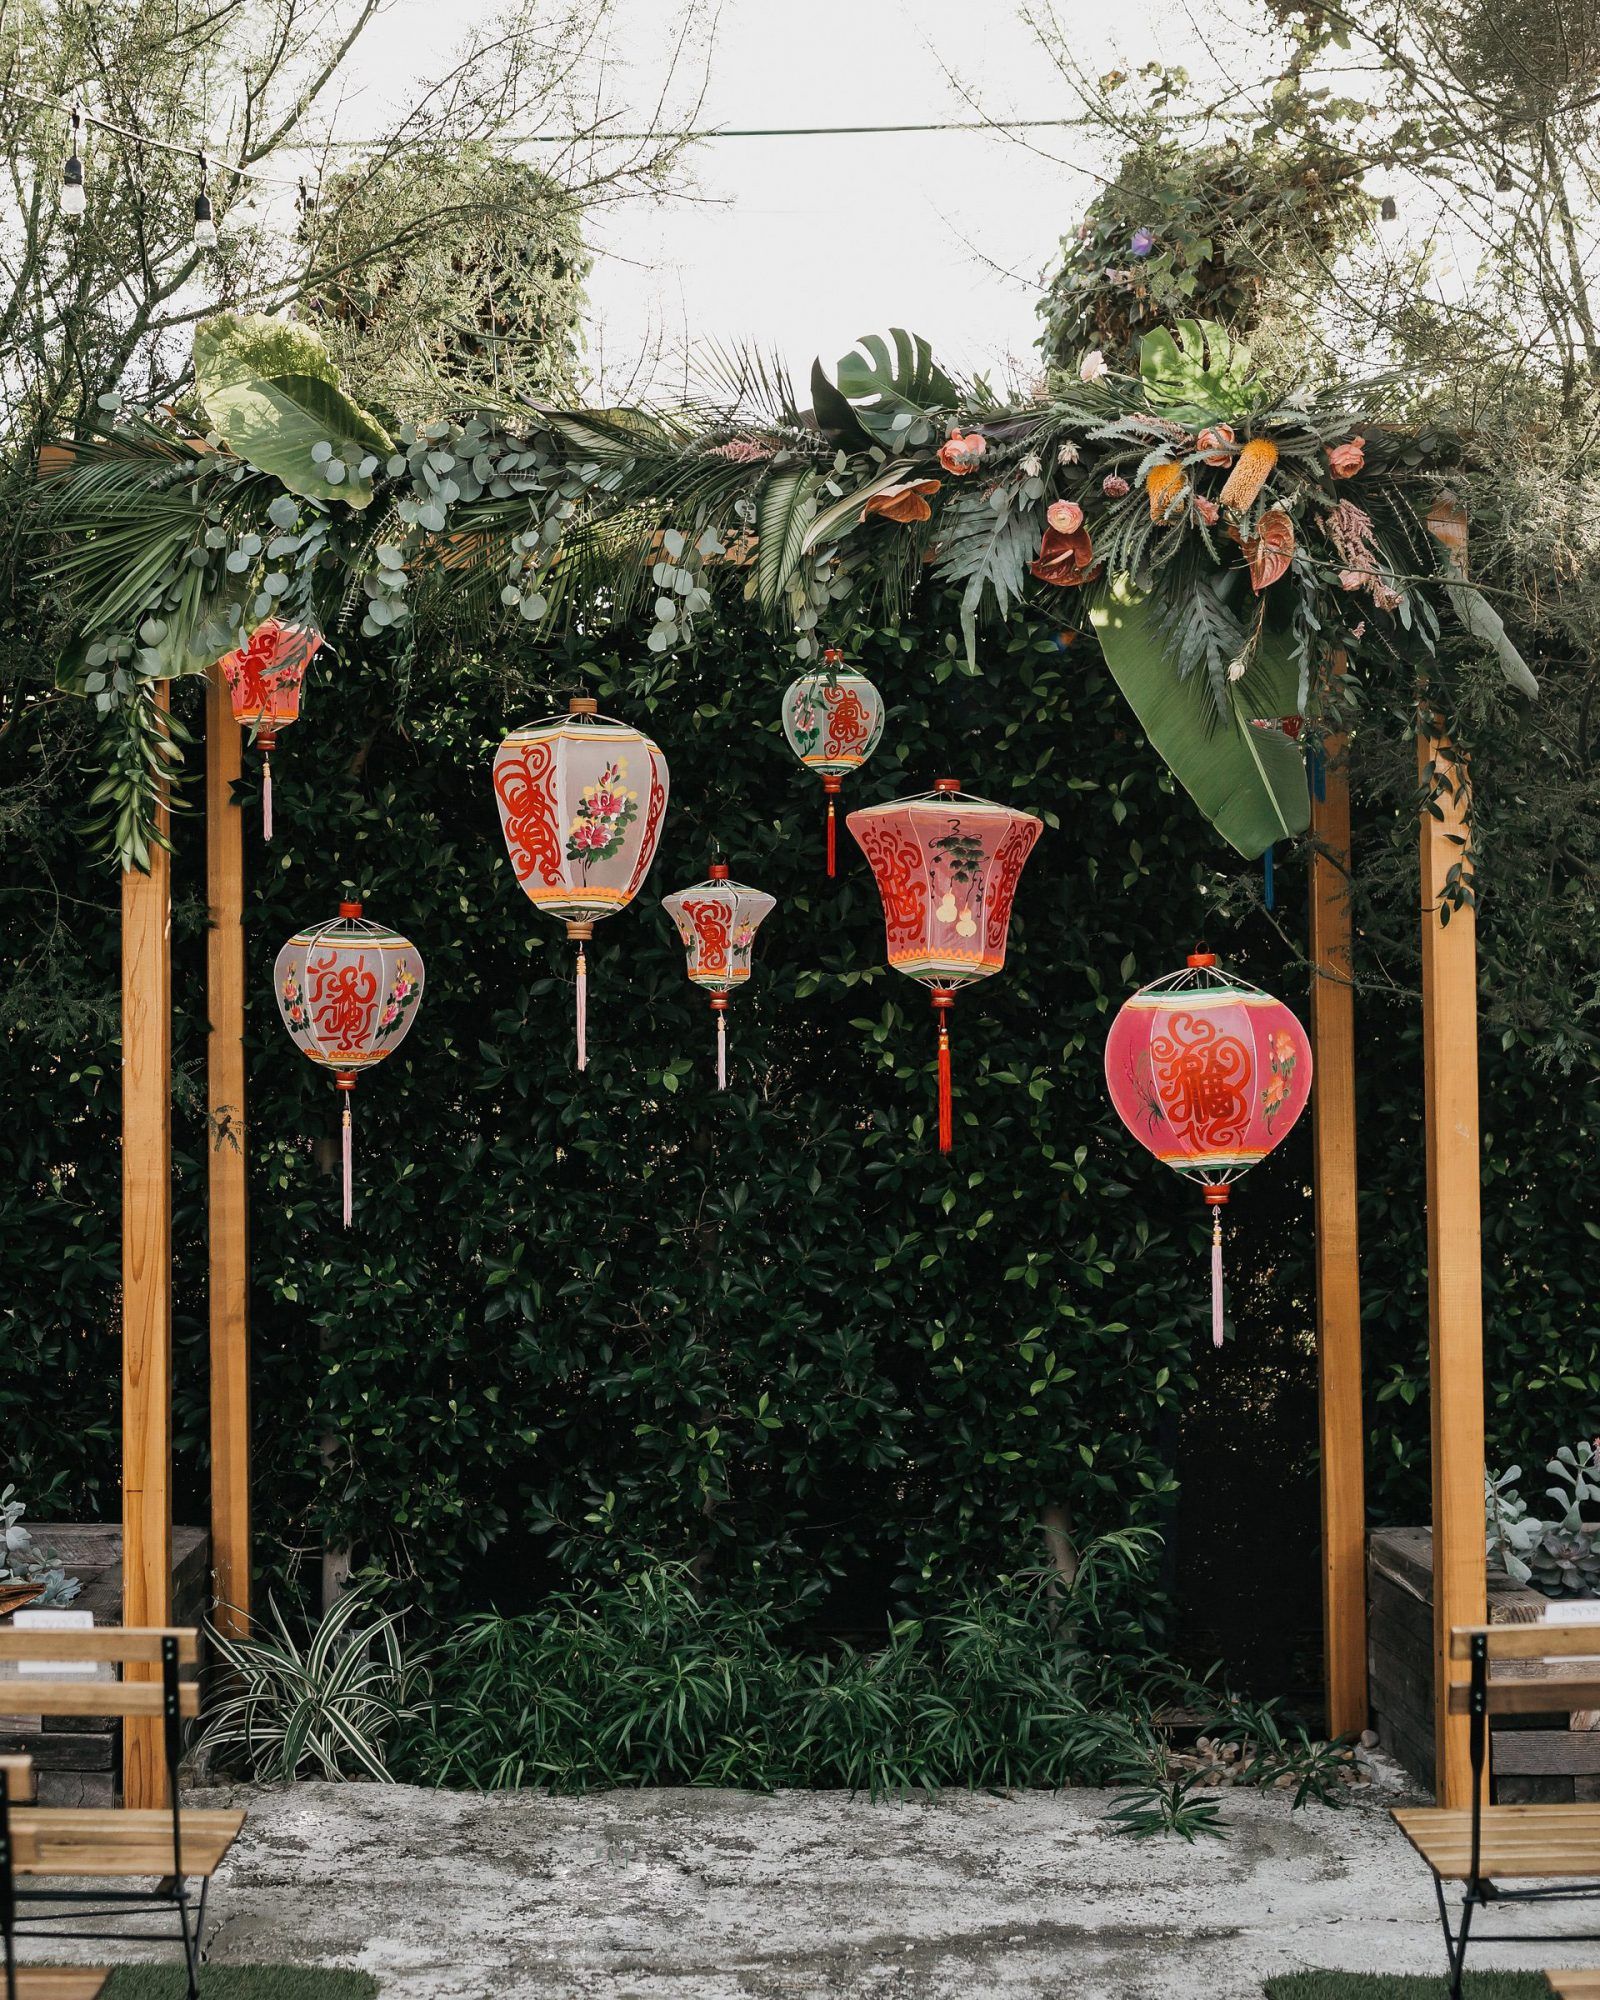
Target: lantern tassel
{"points": [[266, 794], [1215, 1197], [348, 1148], [944, 1000], [833, 842], [722, 1050], [582, 1009]]}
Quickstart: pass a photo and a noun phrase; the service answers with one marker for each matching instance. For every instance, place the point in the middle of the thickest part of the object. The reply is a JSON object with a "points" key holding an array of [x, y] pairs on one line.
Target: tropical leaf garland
{"points": [[166, 544]]}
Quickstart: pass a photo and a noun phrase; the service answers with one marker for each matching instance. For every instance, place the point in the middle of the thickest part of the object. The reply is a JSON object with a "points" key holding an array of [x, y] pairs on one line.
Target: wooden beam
{"points": [[229, 1237], [1333, 1103], [146, 1285], [1455, 1252]]}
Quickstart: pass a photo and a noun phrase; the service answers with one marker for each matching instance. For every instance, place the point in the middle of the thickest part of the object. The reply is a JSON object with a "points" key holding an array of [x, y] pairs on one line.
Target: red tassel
{"points": [[943, 1001], [833, 842]]}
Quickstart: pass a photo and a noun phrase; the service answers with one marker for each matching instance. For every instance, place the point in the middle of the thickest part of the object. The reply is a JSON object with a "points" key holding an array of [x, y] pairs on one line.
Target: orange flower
{"points": [[1065, 560], [1268, 550], [1065, 516], [903, 503], [1346, 460], [960, 454], [1249, 475], [1166, 487], [1216, 443]]}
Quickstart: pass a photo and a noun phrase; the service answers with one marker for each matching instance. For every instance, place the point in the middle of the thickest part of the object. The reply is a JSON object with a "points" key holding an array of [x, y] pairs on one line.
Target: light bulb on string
{"points": [[73, 198], [205, 227]]}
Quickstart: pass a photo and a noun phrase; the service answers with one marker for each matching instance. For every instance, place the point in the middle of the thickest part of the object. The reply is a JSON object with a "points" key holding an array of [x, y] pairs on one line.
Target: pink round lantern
{"points": [[946, 865], [264, 677], [1209, 1073], [718, 920], [833, 720], [348, 992], [581, 801]]}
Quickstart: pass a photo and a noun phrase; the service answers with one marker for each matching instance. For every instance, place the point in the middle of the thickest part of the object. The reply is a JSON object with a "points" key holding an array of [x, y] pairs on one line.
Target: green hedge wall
{"points": [[583, 1317]]}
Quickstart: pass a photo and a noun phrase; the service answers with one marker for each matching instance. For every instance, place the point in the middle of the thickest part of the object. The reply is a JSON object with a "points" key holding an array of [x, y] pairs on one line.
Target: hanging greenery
{"points": [[1215, 533]]}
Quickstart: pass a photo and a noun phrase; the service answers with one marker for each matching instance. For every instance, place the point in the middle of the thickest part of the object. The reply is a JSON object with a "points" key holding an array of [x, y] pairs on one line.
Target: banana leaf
{"points": [[1249, 782]]}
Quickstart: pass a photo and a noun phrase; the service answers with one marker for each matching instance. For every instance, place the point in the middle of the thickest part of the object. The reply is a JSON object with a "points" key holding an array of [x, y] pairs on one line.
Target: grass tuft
{"points": [[241, 1982], [1404, 1986]]}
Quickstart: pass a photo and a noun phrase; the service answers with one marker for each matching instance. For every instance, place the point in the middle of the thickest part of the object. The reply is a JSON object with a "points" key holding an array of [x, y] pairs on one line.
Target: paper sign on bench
{"points": [[56, 1621]]}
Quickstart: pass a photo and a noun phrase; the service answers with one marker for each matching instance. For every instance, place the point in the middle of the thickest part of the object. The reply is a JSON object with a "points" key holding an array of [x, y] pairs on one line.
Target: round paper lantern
{"points": [[264, 677], [833, 720], [348, 992], [717, 920], [1209, 1073], [581, 801], [946, 866]]}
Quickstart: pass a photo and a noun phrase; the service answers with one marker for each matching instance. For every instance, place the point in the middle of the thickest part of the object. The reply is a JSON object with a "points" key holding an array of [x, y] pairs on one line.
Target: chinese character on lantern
{"points": [[264, 677], [833, 720], [581, 801], [348, 993], [717, 920], [946, 865], [1209, 1073]]}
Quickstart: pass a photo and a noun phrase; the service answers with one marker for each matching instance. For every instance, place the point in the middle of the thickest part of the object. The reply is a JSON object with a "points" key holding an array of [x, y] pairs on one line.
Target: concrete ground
{"points": [[704, 1895]]}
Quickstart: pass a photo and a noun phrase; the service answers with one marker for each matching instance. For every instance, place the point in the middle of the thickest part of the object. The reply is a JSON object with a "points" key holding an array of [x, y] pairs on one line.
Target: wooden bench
{"points": [[1574, 1985], [171, 1845], [1486, 1846], [29, 1982]]}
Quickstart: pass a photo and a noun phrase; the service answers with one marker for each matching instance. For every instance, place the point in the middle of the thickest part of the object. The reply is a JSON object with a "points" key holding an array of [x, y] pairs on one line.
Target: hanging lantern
{"points": [[581, 800], [946, 866], [264, 677], [717, 920], [833, 720], [348, 993], [1209, 1073]]}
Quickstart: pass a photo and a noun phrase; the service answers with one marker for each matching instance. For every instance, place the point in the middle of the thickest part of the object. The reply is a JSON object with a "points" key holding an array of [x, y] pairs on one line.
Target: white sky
{"points": [[801, 245]]}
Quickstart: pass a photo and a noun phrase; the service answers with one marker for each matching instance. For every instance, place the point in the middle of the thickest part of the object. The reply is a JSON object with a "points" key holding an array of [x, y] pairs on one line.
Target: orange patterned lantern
{"points": [[1209, 1073], [264, 678], [833, 720], [718, 920], [581, 801], [946, 866], [348, 993]]}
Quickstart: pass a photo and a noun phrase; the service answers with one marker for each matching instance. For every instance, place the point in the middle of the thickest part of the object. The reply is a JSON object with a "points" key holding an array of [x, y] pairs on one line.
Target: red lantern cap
{"points": [[947, 784], [350, 911], [1202, 958], [719, 871]]}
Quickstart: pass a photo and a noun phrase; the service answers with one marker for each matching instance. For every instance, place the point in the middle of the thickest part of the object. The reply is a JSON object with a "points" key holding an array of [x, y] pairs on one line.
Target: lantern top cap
{"points": [[719, 871], [947, 784], [1202, 958], [832, 655], [583, 704], [351, 912]]}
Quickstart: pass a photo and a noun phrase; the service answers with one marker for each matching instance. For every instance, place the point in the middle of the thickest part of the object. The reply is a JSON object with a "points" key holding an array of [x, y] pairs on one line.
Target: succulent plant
{"points": [[1560, 1557], [22, 1561]]}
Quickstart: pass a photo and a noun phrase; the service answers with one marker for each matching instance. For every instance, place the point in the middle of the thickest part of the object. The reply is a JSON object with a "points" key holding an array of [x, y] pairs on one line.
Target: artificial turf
{"points": [[240, 1982], [1405, 1986]]}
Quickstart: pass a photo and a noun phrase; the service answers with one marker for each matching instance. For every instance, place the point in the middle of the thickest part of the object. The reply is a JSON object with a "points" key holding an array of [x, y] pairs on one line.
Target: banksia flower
{"points": [[1166, 487], [1249, 475]]}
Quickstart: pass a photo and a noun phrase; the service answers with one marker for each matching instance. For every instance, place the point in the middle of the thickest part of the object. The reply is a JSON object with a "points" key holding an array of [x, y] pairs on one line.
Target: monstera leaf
{"points": [[271, 392], [1249, 782], [1196, 373], [885, 387]]}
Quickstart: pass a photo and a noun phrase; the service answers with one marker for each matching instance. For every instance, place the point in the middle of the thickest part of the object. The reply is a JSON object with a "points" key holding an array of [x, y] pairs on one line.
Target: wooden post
{"points": [[1455, 1276], [229, 1246], [1342, 1426], [146, 1287]]}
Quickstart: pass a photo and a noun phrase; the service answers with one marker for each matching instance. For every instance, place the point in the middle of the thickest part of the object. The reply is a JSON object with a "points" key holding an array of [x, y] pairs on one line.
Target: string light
{"points": [[205, 228], [73, 198]]}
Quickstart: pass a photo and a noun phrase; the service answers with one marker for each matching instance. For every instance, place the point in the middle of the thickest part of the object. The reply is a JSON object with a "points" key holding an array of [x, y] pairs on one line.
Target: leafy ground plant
{"points": [[325, 1709]]}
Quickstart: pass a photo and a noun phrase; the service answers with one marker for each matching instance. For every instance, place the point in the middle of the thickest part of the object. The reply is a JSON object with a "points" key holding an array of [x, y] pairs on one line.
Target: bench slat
{"points": [[95, 1697], [1518, 1697], [16, 1776], [76, 1840], [1527, 1642], [59, 1982], [1559, 1841], [140, 1643], [1574, 1985]]}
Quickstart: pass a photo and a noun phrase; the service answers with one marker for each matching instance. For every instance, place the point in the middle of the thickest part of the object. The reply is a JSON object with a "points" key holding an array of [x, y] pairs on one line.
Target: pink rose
{"points": [[1346, 460], [960, 454], [1065, 516]]}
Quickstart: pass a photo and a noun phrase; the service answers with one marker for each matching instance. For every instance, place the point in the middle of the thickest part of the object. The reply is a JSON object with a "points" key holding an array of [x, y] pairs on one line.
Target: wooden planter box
{"points": [[1534, 1759], [78, 1759]]}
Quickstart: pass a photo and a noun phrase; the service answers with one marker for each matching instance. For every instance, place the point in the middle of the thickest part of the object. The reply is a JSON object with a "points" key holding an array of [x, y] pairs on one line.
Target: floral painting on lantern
{"points": [[833, 721], [606, 809], [402, 998], [581, 804]]}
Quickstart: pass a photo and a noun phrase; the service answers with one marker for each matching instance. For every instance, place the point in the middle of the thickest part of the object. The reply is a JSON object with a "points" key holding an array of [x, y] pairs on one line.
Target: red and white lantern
{"points": [[947, 866], [264, 678], [581, 798], [717, 920], [348, 991], [1209, 1074], [833, 720]]}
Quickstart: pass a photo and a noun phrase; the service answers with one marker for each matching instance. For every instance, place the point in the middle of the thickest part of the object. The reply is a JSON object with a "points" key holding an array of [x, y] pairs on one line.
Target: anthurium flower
{"points": [[904, 503], [1065, 560], [960, 454], [1216, 443], [1093, 367], [1346, 460], [1268, 550], [1065, 516]]}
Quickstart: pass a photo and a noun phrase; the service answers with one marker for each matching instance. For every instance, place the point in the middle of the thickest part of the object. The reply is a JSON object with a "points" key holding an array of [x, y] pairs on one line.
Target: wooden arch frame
{"points": [[1455, 1339]]}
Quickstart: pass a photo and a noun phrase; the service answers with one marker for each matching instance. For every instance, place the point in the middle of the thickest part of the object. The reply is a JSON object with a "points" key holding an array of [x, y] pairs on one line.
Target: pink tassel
{"points": [[1216, 1276], [266, 795], [722, 1051], [349, 1164], [583, 1009]]}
